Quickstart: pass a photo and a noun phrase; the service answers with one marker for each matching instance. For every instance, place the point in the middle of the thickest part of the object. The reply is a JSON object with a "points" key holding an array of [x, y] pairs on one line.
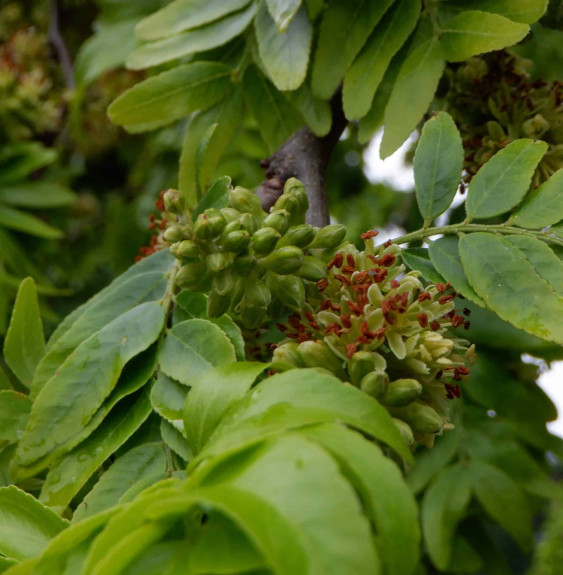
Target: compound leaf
{"points": [[542, 206]]}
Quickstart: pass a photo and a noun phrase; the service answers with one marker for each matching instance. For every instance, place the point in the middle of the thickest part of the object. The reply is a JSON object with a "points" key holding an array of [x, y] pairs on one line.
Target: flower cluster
{"points": [[494, 102], [382, 330]]}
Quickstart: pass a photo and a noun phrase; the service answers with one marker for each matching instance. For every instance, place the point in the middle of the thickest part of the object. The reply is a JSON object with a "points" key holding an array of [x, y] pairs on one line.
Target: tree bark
{"points": [[304, 156]]}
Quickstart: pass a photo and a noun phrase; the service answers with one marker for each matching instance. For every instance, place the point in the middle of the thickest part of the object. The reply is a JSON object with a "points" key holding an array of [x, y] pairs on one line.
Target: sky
{"points": [[394, 171]]}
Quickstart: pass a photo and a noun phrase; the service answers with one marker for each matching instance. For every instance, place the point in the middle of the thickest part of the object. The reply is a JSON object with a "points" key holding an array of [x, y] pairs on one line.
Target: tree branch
{"points": [[305, 157]]}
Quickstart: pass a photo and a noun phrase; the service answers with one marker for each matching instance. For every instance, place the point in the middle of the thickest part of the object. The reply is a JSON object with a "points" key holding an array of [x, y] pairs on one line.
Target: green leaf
{"points": [[67, 476], [213, 395], [172, 94], [283, 12], [418, 259], [217, 196], [343, 31], [14, 411], [547, 265], [503, 500], [503, 181], [37, 195], [175, 440], [542, 206], [443, 506], [474, 32], [423, 68], [24, 345], [285, 55], [26, 525], [183, 15], [301, 397], [438, 162], [382, 490], [508, 283], [107, 48], [134, 466], [444, 254], [192, 348], [200, 39], [17, 161], [315, 112], [297, 484], [22, 222], [73, 395], [96, 315], [276, 118], [429, 461], [384, 42], [526, 11], [168, 398]]}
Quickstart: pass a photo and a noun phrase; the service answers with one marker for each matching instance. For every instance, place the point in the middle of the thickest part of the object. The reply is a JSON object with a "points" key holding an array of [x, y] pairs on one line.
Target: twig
{"points": [[58, 43], [304, 156]]}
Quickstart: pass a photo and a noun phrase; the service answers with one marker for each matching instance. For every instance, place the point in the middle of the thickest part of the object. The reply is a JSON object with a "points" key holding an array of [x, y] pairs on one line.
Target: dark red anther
{"points": [[362, 277], [457, 321], [422, 320], [343, 279], [364, 339], [309, 316], [351, 349], [303, 337], [379, 274], [348, 270], [434, 326], [441, 287], [387, 260], [439, 374], [463, 370], [159, 204], [395, 284], [337, 261], [350, 260], [327, 304], [332, 328], [380, 333], [281, 327], [466, 311], [346, 320], [354, 307], [368, 235], [387, 243], [372, 258], [444, 299], [322, 284], [404, 299], [364, 328], [362, 300], [424, 296], [466, 325]]}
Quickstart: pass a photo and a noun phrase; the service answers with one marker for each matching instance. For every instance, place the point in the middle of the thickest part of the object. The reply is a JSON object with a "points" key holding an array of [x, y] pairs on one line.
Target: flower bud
{"points": [[249, 223], [185, 250], [312, 269], [230, 214], [236, 241], [401, 392], [254, 303], [174, 234], [405, 431], [317, 354], [217, 304], [279, 220], [419, 416], [291, 206], [244, 263], [192, 276], [286, 260], [288, 289], [375, 383], [224, 283], [295, 188], [173, 202], [362, 363], [217, 262], [245, 201], [300, 236], [289, 353], [264, 240], [329, 236]]}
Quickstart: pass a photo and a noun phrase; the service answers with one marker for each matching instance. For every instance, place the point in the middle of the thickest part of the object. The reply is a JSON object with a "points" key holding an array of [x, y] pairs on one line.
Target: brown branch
{"points": [[59, 45], [305, 157]]}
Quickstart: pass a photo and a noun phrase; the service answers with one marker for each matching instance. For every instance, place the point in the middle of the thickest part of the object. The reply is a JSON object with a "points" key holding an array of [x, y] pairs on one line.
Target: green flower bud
{"points": [[217, 304], [288, 289], [202, 229], [329, 236], [375, 383], [254, 304], [192, 276], [236, 241], [312, 269], [185, 250], [224, 283], [217, 262], [286, 260], [291, 206], [264, 240], [174, 234], [300, 236], [405, 431], [294, 187], [173, 202], [289, 353], [230, 214], [279, 220], [419, 416], [246, 202], [401, 392], [317, 354], [362, 363], [249, 223], [244, 263]]}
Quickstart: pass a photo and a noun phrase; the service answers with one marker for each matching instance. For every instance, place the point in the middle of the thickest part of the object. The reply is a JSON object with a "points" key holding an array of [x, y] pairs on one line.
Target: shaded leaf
{"points": [[283, 11], [37, 195], [285, 55], [343, 31], [316, 113], [526, 11], [423, 68], [172, 94], [175, 440], [168, 398], [542, 206], [438, 162], [508, 283], [20, 160], [384, 42], [24, 345], [26, 525], [474, 32], [217, 196], [418, 259], [22, 222], [503, 181], [200, 39], [14, 411]]}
